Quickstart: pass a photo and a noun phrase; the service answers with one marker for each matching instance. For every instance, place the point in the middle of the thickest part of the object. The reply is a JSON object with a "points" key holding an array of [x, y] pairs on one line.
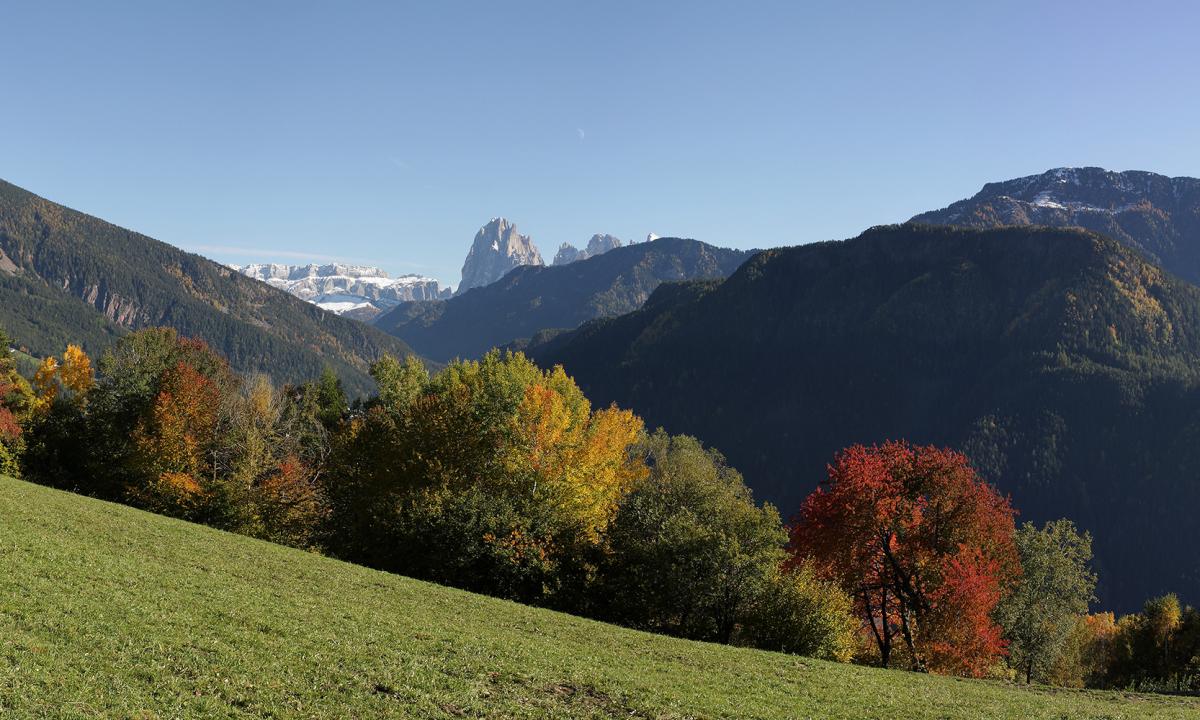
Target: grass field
{"points": [[110, 612]]}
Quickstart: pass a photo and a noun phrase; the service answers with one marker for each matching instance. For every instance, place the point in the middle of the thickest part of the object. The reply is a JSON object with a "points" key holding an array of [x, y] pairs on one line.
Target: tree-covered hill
{"points": [[530, 298], [1062, 362], [70, 277], [1154, 214]]}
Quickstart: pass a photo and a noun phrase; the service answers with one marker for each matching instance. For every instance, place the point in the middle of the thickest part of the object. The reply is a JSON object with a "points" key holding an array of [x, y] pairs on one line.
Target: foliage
{"points": [[1086, 654], [921, 543], [174, 443], [1041, 615], [168, 426], [493, 465], [688, 551], [16, 403], [797, 612], [1157, 649]]}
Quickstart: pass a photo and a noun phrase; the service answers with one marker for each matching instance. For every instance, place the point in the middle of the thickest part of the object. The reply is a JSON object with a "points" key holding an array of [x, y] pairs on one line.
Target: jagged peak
{"points": [[497, 248]]}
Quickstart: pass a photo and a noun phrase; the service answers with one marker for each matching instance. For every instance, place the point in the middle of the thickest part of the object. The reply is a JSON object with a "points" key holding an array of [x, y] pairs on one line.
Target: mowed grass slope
{"points": [[107, 612]]}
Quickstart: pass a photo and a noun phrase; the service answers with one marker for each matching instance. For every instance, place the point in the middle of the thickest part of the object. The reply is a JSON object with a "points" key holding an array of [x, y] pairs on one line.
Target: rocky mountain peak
{"points": [[497, 249], [597, 245]]}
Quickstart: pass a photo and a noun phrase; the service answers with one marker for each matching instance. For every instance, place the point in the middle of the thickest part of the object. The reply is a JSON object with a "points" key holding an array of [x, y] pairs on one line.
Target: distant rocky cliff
{"points": [[359, 291], [497, 249]]}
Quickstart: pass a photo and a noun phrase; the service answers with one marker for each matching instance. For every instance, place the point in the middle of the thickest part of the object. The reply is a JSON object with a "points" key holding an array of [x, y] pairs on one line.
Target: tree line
{"points": [[499, 477]]}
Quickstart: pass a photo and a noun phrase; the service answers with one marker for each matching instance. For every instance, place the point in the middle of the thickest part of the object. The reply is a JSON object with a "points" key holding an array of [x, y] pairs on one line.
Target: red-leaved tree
{"points": [[924, 546]]}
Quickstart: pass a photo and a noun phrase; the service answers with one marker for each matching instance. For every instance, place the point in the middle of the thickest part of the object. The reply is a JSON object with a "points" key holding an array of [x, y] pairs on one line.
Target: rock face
{"points": [[1155, 214], [598, 245], [359, 291], [497, 248]]}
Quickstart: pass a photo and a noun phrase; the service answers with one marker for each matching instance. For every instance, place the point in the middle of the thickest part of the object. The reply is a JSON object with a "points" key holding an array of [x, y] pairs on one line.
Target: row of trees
{"points": [[493, 476], [499, 477]]}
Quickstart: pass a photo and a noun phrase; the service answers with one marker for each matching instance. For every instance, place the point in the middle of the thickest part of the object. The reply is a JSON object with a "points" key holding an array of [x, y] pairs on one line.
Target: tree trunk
{"points": [[918, 663]]}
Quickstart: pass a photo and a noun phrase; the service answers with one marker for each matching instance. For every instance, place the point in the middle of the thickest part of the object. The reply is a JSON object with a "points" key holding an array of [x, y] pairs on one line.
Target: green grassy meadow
{"points": [[110, 612]]}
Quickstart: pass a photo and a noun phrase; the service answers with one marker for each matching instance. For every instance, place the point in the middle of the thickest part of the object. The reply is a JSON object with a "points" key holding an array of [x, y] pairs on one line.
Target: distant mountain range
{"points": [[536, 298], [1157, 215], [70, 277], [357, 291], [597, 245], [498, 248], [1063, 363]]}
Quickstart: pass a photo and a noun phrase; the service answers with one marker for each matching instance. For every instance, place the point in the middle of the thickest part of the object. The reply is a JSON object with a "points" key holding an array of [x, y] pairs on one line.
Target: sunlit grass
{"points": [[107, 612]]}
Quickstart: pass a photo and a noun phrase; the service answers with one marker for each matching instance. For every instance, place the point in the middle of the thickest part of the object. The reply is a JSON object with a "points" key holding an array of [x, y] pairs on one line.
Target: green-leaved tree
{"points": [[1056, 586]]}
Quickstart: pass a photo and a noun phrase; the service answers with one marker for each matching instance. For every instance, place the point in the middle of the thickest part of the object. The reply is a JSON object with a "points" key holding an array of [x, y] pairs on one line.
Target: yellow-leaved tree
{"points": [[494, 475], [579, 457], [73, 374]]}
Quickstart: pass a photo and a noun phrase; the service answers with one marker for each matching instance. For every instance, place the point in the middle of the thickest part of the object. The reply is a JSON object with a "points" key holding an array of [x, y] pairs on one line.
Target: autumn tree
{"points": [[16, 402], [72, 374], [174, 443], [267, 456], [127, 395], [925, 548], [492, 475], [1087, 653], [1041, 615]]}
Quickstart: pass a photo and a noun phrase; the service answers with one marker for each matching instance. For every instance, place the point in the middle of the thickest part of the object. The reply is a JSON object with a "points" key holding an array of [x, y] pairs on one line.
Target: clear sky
{"points": [[390, 132]]}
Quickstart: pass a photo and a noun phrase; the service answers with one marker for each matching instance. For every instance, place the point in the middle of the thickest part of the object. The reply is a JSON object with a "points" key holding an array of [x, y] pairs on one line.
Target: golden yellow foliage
{"points": [[75, 372], [44, 384], [581, 457]]}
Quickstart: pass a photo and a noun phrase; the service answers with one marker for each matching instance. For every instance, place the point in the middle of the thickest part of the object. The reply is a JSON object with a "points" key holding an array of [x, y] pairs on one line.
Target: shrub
{"points": [[797, 612], [688, 550]]}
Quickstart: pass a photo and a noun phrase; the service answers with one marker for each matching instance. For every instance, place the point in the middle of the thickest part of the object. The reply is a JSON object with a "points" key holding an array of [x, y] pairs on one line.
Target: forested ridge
{"points": [[68, 277], [1062, 363], [530, 299]]}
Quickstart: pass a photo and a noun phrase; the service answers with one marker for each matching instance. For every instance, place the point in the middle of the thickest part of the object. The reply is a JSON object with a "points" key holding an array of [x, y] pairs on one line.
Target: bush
{"points": [[797, 612], [688, 550]]}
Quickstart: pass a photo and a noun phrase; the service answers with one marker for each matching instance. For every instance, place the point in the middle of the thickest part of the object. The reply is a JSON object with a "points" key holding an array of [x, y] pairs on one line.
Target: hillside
{"points": [[107, 611], [1063, 363], [533, 298], [1154, 214], [69, 277]]}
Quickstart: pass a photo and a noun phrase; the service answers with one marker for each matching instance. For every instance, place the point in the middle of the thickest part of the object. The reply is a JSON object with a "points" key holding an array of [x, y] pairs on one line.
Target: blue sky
{"points": [[389, 132]]}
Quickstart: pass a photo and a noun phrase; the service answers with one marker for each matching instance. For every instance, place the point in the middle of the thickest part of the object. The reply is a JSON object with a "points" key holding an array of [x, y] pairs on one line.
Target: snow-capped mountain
{"points": [[497, 249], [359, 291], [1154, 214]]}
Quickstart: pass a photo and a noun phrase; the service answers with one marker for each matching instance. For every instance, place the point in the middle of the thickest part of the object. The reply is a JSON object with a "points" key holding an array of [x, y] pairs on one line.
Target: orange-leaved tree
{"points": [[16, 400], [174, 441], [923, 545]]}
